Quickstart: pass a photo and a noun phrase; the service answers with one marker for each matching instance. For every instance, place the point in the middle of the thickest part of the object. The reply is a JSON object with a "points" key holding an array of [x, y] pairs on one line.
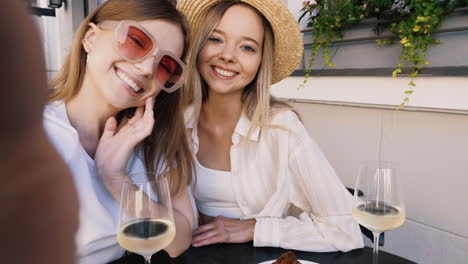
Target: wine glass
{"points": [[378, 203], [146, 222]]}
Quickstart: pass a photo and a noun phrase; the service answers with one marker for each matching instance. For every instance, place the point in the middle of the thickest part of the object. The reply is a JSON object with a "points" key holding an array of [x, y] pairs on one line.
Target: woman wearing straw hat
{"points": [[115, 109], [260, 176]]}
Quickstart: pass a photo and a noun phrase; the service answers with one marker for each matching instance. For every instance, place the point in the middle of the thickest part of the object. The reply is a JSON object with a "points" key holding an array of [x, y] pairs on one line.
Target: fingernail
{"points": [[195, 244]]}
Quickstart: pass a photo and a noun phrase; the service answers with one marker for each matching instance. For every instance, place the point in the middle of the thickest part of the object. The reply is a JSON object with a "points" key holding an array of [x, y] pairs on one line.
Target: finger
{"points": [[203, 229], [209, 241], [149, 104], [204, 236], [109, 128], [148, 117]]}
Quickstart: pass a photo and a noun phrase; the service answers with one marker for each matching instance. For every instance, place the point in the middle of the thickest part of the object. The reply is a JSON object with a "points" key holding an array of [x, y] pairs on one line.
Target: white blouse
{"points": [[283, 180]]}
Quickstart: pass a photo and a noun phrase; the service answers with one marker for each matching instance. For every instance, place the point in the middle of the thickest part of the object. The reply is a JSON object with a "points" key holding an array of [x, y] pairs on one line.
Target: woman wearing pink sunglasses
{"points": [[108, 117]]}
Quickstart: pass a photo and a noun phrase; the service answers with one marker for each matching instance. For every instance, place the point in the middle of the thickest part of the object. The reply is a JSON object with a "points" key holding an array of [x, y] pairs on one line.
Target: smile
{"points": [[224, 73], [129, 81]]}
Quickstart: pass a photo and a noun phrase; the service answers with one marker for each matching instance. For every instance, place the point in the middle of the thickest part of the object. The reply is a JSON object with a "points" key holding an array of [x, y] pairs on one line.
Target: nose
{"points": [[146, 67], [228, 53]]}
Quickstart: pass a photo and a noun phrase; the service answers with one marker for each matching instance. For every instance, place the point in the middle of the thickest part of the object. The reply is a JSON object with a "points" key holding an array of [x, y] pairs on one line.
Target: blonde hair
{"points": [[167, 145], [259, 106]]}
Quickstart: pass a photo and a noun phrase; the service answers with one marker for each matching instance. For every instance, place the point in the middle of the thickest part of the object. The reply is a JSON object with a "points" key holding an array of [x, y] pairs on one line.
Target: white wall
{"points": [[445, 94], [431, 150], [57, 32]]}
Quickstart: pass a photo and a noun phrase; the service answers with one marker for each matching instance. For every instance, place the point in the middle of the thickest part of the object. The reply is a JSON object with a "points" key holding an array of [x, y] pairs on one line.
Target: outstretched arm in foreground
{"points": [[38, 202]]}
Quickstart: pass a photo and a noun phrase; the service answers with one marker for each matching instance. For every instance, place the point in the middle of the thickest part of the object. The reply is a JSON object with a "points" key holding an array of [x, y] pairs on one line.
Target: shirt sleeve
{"points": [[325, 223]]}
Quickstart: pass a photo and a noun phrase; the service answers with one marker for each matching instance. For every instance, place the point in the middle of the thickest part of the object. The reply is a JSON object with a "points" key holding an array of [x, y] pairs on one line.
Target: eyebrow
{"points": [[244, 37]]}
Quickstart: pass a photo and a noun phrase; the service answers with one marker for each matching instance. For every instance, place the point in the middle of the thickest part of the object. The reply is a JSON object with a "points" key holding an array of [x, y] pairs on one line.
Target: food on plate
{"points": [[287, 258]]}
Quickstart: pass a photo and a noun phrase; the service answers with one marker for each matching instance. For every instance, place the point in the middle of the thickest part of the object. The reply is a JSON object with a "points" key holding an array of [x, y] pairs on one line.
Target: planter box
{"points": [[368, 58]]}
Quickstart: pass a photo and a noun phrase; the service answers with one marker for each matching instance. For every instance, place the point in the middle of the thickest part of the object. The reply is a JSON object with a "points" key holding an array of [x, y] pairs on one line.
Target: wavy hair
{"points": [[258, 104], [167, 145]]}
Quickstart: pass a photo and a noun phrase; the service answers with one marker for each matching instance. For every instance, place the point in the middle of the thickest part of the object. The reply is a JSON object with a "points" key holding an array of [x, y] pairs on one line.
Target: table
{"points": [[245, 253]]}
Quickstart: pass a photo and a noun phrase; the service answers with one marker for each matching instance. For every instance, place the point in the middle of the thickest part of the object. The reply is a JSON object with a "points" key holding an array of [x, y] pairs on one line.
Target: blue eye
{"points": [[248, 48], [214, 39]]}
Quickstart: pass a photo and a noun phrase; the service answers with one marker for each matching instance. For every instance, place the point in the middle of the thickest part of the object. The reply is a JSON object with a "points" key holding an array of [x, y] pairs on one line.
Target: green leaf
{"points": [[413, 74], [395, 72]]}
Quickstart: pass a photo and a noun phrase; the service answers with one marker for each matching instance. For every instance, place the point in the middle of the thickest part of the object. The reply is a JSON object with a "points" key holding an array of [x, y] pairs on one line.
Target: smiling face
{"points": [[121, 83], [231, 57]]}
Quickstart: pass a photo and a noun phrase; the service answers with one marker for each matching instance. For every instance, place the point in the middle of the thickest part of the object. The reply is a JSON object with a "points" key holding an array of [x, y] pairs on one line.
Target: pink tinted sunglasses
{"points": [[135, 44]]}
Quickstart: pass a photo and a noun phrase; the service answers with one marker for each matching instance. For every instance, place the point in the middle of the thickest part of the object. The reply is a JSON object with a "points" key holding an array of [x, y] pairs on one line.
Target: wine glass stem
{"points": [[147, 259], [375, 255]]}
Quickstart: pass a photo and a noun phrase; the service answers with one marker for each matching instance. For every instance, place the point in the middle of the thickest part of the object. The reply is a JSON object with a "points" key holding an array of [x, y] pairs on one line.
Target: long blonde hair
{"points": [[167, 145], [259, 106]]}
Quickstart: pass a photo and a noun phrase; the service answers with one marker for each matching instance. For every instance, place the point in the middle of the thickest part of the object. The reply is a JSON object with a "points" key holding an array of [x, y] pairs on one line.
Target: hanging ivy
{"points": [[416, 20]]}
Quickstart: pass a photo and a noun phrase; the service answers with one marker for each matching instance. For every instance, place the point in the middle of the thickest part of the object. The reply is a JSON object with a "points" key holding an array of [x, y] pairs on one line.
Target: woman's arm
{"points": [[325, 223], [112, 155], [39, 204], [185, 222]]}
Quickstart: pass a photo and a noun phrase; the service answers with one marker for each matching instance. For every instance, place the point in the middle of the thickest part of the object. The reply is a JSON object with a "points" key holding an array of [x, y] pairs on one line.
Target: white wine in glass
{"points": [[380, 206], [146, 222]]}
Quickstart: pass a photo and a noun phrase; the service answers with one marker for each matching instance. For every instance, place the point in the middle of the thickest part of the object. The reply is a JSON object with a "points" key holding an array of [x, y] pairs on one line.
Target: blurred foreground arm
{"points": [[38, 202]]}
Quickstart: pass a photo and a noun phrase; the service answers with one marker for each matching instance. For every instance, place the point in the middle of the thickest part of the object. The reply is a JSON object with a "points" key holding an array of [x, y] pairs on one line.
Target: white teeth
{"points": [[131, 83], [224, 73]]}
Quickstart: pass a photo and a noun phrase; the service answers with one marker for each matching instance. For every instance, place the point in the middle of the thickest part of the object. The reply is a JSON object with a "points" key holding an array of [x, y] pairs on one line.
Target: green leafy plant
{"points": [[328, 19], [415, 22], [415, 34]]}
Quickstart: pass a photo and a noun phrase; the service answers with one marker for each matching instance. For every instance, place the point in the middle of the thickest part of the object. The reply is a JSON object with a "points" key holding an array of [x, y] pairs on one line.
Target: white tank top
{"points": [[214, 194]]}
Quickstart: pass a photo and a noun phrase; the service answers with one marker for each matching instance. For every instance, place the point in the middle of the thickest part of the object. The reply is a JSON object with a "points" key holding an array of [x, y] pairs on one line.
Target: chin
{"points": [[223, 89], [118, 104]]}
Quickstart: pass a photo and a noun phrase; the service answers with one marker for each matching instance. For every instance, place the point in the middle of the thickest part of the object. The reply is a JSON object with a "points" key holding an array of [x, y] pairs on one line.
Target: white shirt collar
{"points": [[243, 126]]}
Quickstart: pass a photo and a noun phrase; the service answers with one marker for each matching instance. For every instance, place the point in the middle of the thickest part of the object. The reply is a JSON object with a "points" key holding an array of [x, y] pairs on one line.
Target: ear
{"points": [[90, 36]]}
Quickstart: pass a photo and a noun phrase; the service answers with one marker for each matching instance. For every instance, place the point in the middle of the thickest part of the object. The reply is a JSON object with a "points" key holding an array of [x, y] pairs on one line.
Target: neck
{"points": [[88, 115], [222, 108]]}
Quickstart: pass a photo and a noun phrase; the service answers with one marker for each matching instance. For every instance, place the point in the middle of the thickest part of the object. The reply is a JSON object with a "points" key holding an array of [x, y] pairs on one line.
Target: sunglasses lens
{"points": [[169, 71], [136, 44]]}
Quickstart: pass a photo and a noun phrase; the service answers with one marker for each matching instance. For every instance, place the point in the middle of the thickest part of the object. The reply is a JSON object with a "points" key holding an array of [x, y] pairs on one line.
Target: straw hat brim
{"points": [[288, 44]]}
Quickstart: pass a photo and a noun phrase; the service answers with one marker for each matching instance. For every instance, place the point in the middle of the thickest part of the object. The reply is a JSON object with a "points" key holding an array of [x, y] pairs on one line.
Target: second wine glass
{"points": [[379, 204], [146, 223]]}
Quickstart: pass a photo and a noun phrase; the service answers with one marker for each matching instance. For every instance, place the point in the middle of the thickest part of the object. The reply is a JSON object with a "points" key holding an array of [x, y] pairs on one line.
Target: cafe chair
{"points": [[366, 232]]}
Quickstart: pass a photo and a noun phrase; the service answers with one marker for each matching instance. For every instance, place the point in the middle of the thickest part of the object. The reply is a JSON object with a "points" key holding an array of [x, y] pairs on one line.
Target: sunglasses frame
{"points": [[120, 33]]}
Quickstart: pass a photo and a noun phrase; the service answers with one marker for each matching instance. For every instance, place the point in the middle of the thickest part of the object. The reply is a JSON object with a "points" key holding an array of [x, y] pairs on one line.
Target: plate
{"points": [[300, 260]]}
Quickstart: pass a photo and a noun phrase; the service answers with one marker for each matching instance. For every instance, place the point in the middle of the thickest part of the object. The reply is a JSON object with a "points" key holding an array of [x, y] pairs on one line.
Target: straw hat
{"points": [[288, 45]]}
